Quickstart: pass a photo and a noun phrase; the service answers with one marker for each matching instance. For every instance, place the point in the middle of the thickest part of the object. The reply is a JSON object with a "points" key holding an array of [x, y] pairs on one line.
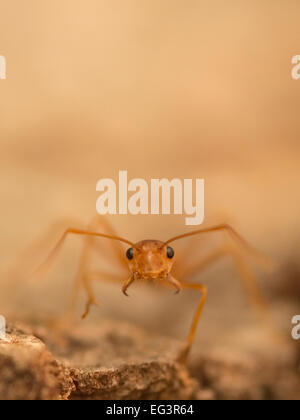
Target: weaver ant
{"points": [[154, 259]]}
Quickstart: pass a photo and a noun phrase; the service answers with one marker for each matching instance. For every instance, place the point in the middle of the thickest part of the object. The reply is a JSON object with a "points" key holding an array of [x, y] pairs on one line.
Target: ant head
{"points": [[150, 259]]}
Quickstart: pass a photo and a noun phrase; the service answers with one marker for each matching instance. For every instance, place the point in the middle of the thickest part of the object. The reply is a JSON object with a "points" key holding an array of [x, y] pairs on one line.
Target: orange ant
{"points": [[153, 259]]}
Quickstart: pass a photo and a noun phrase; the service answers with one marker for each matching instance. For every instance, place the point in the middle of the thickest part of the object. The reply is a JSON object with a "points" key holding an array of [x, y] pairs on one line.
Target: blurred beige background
{"points": [[163, 89]]}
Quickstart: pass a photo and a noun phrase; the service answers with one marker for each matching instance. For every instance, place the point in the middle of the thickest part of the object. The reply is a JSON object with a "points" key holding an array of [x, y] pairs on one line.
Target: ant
{"points": [[154, 259]]}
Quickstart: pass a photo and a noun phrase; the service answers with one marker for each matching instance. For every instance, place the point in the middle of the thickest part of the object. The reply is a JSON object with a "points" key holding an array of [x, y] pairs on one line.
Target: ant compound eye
{"points": [[129, 253], [170, 252]]}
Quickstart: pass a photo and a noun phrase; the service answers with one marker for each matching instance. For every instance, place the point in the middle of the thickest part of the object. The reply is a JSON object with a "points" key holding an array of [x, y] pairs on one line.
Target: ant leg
{"points": [[257, 299], [89, 246], [203, 291], [246, 274], [91, 296], [90, 293], [53, 254], [97, 223], [22, 265], [237, 239], [67, 319], [82, 276], [190, 339], [87, 279], [74, 231]]}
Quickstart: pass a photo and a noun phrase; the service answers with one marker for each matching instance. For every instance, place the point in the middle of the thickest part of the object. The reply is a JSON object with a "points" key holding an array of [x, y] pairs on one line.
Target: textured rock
{"points": [[28, 370], [107, 361], [234, 375], [113, 360]]}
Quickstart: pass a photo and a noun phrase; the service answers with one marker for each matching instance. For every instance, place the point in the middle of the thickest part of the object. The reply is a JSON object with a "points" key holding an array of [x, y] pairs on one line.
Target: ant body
{"points": [[154, 259]]}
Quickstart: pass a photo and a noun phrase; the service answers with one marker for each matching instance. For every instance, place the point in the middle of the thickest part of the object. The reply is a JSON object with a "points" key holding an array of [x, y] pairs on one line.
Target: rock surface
{"points": [[234, 375], [113, 360], [29, 371]]}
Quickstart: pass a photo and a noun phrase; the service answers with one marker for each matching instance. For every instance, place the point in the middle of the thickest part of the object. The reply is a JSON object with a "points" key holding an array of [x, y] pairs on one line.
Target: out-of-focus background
{"points": [[171, 88]]}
